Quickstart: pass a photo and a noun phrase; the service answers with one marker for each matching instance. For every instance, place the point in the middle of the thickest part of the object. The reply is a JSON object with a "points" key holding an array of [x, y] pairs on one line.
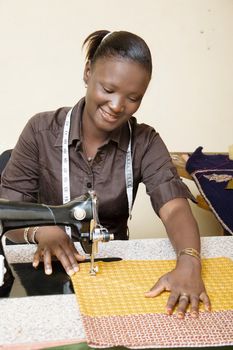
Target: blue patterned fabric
{"points": [[211, 174]]}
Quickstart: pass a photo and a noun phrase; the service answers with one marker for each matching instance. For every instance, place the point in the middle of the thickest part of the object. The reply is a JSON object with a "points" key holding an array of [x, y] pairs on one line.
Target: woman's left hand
{"points": [[186, 286]]}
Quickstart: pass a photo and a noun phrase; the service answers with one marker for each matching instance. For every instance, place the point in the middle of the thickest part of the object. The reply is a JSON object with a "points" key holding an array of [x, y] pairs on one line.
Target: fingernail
{"points": [[149, 292], [194, 314], [48, 271], [180, 315], [70, 272], [76, 268]]}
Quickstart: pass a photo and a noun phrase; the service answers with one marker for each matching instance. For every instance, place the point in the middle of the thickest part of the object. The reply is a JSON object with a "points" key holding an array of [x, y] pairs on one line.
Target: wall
{"points": [[189, 100]]}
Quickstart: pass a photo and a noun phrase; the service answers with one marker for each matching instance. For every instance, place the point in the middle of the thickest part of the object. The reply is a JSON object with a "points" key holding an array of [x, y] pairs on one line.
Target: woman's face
{"points": [[115, 88]]}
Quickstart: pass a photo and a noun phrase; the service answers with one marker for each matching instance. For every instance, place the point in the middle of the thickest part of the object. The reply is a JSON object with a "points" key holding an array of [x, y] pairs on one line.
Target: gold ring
{"points": [[184, 296]]}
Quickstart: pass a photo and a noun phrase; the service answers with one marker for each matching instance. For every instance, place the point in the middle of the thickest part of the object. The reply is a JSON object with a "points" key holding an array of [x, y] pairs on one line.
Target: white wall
{"points": [[190, 98]]}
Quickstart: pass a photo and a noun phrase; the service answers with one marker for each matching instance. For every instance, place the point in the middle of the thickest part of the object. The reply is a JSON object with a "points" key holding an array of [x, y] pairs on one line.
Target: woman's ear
{"points": [[87, 72]]}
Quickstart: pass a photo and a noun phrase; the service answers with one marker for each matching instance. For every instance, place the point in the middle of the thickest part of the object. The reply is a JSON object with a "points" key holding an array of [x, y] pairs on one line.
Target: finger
{"points": [[157, 289], [171, 302], [78, 256], [68, 261], [206, 301], [73, 257], [183, 303], [194, 310], [47, 262], [36, 259]]}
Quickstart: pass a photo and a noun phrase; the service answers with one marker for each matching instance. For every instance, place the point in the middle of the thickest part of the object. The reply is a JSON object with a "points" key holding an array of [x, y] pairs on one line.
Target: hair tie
{"points": [[106, 36]]}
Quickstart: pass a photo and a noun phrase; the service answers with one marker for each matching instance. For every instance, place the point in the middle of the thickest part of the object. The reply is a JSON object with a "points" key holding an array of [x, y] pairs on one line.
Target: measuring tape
{"points": [[65, 165], [66, 169], [129, 174]]}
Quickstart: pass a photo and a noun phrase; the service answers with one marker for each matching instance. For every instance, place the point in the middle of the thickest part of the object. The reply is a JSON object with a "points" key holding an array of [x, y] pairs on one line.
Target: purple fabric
{"points": [[211, 174]]}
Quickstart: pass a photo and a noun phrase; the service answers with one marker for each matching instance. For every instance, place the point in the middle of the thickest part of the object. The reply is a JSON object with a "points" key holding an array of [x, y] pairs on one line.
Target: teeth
{"points": [[108, 115]]}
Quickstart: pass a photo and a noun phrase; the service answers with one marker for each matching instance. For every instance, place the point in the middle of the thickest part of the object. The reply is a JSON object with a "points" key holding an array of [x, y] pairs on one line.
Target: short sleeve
{"points": [[160, 175]]}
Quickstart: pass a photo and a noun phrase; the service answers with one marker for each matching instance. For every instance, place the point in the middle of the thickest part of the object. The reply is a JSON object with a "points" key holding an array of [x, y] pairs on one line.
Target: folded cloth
{"points": [[115, 311], [213, 175]]}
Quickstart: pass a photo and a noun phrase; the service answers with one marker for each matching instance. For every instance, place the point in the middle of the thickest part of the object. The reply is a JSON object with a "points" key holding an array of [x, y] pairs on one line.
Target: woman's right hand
{"points": [[53, 241]]}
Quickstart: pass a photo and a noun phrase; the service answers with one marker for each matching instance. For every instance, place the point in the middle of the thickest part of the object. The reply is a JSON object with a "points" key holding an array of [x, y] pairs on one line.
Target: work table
{"points": [[56, 318]]}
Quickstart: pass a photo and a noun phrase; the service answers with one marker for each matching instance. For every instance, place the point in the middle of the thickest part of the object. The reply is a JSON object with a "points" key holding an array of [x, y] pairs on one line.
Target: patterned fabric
{"points": [[213, 175], [115, 311]]}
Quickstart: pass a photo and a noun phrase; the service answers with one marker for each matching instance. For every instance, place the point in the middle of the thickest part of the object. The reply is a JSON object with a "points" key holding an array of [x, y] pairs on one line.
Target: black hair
{"points": [[102, 43]]}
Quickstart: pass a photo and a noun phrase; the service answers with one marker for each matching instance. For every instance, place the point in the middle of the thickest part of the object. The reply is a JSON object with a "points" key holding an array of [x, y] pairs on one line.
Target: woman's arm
{"points": [[184, 282], [180, 224]]}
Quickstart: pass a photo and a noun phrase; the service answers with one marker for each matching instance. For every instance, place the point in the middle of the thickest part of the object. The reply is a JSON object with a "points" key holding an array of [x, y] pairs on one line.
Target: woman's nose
{"points": [[117, 104]]}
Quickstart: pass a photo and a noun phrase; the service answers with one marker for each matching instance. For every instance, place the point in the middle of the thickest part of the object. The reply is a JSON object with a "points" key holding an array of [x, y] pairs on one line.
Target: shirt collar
{"points": [[75, 124], [119, 136]]}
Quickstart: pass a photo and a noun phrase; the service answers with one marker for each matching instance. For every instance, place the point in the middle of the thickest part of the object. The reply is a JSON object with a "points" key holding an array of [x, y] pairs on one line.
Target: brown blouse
{"points": [[34, 172]]}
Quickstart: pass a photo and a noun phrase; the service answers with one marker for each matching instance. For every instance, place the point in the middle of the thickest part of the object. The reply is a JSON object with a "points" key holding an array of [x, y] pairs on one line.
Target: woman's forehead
{"points": [[120, 68], [117, 61]]}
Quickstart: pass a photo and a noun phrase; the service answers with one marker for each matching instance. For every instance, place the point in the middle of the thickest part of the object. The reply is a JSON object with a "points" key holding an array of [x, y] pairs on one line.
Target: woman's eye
{"points": [[134, 99], [107, 90]]}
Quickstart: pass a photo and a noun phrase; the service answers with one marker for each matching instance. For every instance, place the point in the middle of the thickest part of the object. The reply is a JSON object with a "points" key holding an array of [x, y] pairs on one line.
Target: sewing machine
{"points": [[81, 214]]}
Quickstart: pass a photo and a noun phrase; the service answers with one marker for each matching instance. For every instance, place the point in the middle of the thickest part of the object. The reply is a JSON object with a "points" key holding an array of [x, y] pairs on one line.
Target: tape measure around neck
{"points": [[66, 168], [129, 174], [65, 165]]}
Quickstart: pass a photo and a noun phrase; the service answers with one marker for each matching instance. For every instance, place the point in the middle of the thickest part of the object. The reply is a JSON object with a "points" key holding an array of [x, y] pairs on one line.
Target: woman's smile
{"points": [[109, 118]]}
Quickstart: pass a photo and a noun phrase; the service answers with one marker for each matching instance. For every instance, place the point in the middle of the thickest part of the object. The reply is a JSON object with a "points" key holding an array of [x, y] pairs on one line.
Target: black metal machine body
{"points": [[81, 214]]}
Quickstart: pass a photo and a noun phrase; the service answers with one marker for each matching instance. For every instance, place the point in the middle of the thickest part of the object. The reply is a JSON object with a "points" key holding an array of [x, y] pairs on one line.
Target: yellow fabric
{"points": [[119, 287], [230, 185]]}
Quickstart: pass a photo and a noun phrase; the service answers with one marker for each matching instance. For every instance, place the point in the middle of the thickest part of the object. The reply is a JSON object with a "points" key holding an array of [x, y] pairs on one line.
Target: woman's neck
{"points": [[91, 134], [92, 139]]}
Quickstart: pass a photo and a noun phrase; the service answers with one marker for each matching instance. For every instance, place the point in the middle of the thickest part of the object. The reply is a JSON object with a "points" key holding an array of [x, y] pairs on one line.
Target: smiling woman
{"points": [[111, 99], [99, 145]]}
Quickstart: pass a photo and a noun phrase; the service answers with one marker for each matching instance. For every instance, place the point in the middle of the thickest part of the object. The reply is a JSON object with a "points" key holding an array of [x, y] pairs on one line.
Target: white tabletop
{"points": [[52, 318]]}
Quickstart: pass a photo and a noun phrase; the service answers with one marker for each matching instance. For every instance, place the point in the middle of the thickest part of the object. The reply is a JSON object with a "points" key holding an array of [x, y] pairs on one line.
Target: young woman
{"points": [[106, 148]]}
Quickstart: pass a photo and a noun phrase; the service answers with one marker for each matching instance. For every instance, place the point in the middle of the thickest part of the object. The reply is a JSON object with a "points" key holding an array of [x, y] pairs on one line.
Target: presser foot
{"points": [[94, 270]]}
